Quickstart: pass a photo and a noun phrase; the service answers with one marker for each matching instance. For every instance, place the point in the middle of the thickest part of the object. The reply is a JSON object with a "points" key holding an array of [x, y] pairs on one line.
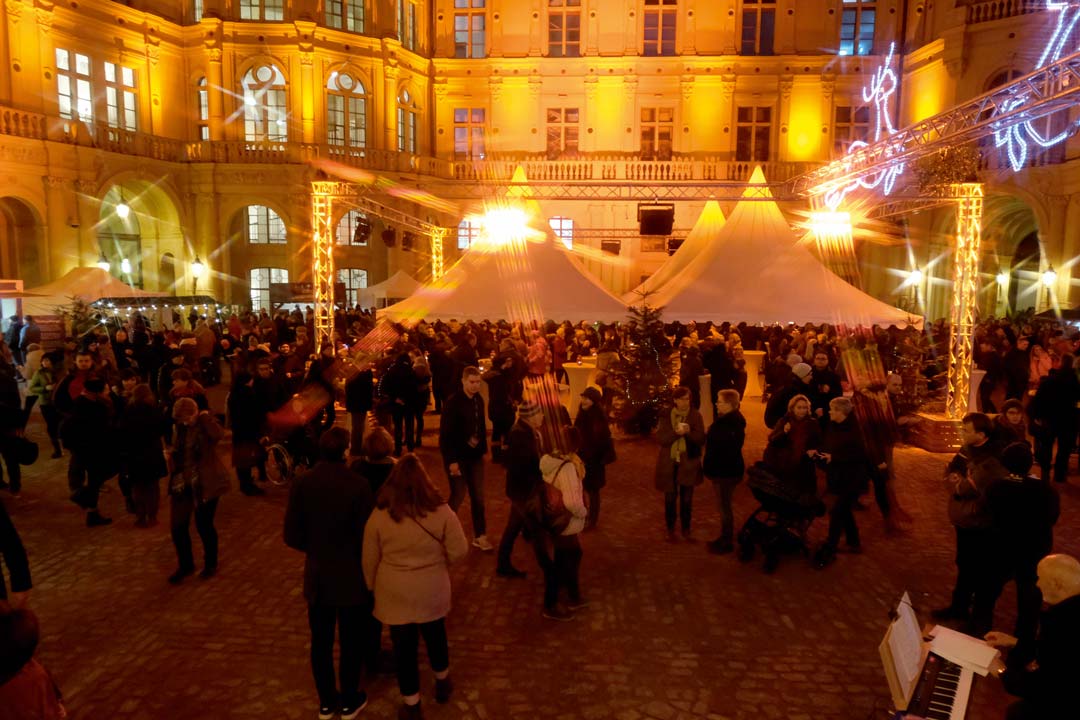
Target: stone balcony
{"points": [[980, 11]]}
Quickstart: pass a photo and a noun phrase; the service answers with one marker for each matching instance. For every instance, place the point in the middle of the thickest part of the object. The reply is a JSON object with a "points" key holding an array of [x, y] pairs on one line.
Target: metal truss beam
{"points": [[323, 261], [965, 292], [1047, 90]]}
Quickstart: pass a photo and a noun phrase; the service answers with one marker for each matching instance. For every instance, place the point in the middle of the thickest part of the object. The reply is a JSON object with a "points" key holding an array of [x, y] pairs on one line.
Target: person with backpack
{"points": [[562, 471]]}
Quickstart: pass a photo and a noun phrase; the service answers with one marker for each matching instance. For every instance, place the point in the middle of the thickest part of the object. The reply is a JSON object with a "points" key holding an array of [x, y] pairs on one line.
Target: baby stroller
{"points": [[781, 522]]}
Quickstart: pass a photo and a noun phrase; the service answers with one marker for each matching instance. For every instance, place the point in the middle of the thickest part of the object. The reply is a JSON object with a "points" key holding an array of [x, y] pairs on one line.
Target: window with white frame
{"points": [[564, 28], [346, 233], [469, 133], [264, 226], [470, 17], [345, 15], [346, 111], [467, 233], [121, 101], [659, 28], [197, 10], [657, 131], [406, 123], [202, 109], [265, 116], [354, 280], [850, 124], [857, 27], [406, 23], [260, 281], [563, 128], [262, 9], [73, 89], [758, 27], [564, 230], [753, 133]]}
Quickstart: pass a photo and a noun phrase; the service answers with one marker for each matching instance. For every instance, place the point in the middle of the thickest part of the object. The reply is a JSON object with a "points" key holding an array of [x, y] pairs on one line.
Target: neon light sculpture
{"points": [[1017, 138], [879, 92]]}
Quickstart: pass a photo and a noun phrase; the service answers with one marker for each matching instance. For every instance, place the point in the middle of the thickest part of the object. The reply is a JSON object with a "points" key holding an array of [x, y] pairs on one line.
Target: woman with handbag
{"points": [[409, 542], [197, 479], [563, 470], [678, 466], [597, 448]]}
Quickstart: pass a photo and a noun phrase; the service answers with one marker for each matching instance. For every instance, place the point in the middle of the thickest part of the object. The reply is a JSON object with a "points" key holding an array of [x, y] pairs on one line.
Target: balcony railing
{"points": [[599, 168], [982, 11]]}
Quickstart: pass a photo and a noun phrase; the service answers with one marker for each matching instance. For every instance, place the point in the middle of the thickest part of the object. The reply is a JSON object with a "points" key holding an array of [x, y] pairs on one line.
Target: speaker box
{"points": [[389, 236], [407, 239], [656, 219], [612, 247], [362, 232]]}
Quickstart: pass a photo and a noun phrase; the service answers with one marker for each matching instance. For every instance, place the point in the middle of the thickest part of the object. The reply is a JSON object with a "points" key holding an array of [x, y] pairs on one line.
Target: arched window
{"points": [[354, 228], [564, 230], [262, 9], [261, 279], [467, 232], [202, 109], [354, 280], [265, 115], [264, 226], [406, 123], [346, 111]]}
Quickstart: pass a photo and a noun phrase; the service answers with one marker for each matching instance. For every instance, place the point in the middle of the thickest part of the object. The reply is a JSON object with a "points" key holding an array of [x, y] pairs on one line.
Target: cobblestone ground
{"points": [[672, 632]]}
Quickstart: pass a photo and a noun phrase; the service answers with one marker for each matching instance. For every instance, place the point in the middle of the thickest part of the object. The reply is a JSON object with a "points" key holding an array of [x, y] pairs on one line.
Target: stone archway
{"points": [[1010, 227], [148, 230], [21, 243]]}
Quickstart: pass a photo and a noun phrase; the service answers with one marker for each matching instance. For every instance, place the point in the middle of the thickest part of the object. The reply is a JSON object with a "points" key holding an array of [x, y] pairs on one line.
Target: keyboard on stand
{"points": [[942, 692]]}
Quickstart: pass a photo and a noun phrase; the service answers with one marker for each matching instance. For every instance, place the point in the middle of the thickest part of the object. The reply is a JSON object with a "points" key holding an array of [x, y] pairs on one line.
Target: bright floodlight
{"points": [[830, 223], [915, 277], [197, 267], [1049, 277], [103, 263], [1003, 278], [125, 266], [505, 225], [122, 210]]}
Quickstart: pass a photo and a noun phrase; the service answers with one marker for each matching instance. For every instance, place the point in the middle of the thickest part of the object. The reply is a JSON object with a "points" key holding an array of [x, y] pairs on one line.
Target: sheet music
{"points": [[905, 644], [964, 650]]}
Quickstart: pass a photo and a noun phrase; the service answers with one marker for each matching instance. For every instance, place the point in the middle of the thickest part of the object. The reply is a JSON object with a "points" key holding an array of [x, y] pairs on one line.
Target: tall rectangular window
{"points": [[857, 27], [345, 15], [260, 281], [851, 123], [470, 28], [262, 9], [202, 109], [265, 227], [564, 28], [354, 280], [657, 131], [120, 98], [659, 28], [467, 233], [469, 133], [406, 129], [563, 227], [73, 91], [753, 132], [197, 10], [410, 26], [563, 126], [758, 26]]}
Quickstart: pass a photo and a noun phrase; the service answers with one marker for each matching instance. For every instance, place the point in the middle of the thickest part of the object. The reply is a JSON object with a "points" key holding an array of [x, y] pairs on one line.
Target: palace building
{"points": [[164, 131]]}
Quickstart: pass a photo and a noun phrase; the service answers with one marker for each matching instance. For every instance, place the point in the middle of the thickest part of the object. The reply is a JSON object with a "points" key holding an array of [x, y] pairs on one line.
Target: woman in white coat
{"points": [[564, 469], [409, 541]]}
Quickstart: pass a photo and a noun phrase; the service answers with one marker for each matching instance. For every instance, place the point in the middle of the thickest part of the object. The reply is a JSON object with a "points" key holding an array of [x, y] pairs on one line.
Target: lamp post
{"points": [[197, 270]]}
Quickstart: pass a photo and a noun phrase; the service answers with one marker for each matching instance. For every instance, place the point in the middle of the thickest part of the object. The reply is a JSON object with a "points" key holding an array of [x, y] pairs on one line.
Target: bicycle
{"points": [[279, 463]]}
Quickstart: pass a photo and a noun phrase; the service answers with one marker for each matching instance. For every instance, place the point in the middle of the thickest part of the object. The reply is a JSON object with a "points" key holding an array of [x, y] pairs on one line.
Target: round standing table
{"points": [[754, 361]]}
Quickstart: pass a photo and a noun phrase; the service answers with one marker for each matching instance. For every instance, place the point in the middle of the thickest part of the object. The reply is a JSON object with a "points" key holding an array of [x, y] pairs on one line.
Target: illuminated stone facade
{"points": [[193, 113]]}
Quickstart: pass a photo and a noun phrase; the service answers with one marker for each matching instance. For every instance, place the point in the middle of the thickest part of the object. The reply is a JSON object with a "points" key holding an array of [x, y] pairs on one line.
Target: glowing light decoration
{"points": [[1018, 138], [879, 93], [965, 292]]}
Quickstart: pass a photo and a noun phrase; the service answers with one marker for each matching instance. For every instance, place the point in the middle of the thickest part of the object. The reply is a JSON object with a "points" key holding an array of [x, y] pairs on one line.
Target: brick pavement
{"points": [[673, 633]]}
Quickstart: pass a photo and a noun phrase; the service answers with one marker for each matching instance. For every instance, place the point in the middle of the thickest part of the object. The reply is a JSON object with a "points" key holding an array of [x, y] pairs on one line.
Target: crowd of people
{"points": [[379, 537]]}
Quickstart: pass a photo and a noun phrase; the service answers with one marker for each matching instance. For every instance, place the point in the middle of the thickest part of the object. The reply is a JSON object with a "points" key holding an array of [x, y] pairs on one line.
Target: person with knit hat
{"points": [[678, 465], [597, 448], [801, 377]]}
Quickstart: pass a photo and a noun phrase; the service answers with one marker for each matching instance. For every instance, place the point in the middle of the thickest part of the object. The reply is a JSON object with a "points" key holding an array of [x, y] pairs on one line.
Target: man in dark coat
{"points": [[88, 433], [14, 554], [359, 400], [328, 508], [846, 474], [398, 390], [1046, 685], [1054, 418], [463, 443], [1017, 368], [597, 449], [825, 383], [724, 465]]}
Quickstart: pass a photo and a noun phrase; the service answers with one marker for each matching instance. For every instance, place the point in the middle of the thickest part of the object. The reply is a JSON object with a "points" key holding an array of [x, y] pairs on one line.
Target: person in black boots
{"points": [[1046, 685], [197, 480], [246, 416], [724, 465], [846, 476], [359, 399], [41, 386], [500, 380], [328, 508], [398, 390], [1024, 509], [678, 466], [88, 434], [597, 449], [523, 478], [463, 443], [142, 438]]}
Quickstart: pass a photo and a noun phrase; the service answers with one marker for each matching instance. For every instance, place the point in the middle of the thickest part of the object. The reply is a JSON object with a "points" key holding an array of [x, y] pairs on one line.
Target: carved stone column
{"points": [[592, 88], [215, 89], [630, 92], [828, 89], [390, 103], [787, 82], [727, 111], [689, 29], [683, 142]]}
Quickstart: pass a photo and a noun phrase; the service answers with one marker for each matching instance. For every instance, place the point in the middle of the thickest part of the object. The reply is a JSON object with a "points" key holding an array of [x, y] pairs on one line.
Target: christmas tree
{"points": [[642, 377]]}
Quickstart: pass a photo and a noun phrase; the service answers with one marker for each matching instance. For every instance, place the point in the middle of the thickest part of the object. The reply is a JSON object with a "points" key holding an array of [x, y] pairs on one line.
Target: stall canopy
{"points": [[754, 269], [523, 280], [86, 283], [697, 242], [397, 286]]}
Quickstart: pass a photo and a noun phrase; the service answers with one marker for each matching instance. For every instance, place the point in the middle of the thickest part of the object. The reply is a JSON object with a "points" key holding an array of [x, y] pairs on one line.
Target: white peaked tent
{"points": [[708, 224], [521, 280], [399, 285], [756, 270], [87, 283]]}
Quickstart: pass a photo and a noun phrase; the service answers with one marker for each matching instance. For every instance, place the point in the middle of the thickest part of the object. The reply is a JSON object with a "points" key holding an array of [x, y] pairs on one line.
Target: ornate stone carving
{"points": [[44, 19], [727, 87], [828, 86], [14, 9], [687, 87], [86, 187], [787, 82], [53, 182], [307, 59], [213, 55]]}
